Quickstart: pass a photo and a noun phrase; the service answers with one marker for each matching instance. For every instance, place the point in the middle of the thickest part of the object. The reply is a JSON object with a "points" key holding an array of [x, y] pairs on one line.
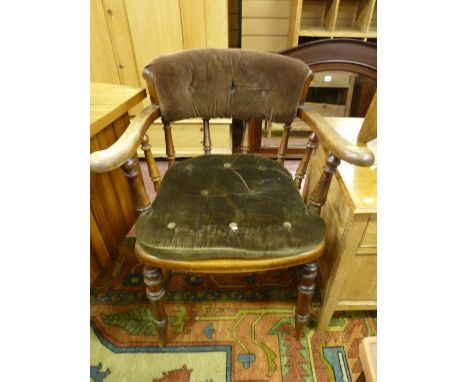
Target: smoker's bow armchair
{"points": [[227, 213]]}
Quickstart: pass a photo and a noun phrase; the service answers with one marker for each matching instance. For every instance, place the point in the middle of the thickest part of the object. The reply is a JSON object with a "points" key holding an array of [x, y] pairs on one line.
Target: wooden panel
{"points": [[103, 65], [354, 17], [294, 22], [155, 26], [360, 282], [265, 43], [347, 12], [267, 27], [192, 13], [188, 138], [318, 18], [233, 6], [373, 21], [364, 15], [266, 8], [216, 24], [100, 253], [122, 45], [232, 19], [233, 39]]}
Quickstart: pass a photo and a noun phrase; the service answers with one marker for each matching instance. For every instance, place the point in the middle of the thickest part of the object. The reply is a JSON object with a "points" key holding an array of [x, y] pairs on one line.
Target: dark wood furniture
{"points": [[159, 257], [346, 55]]}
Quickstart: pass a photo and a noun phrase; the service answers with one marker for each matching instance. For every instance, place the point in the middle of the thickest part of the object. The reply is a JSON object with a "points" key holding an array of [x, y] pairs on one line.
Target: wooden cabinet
{"points": [[332, 18], [111, 209], [348, 269]]}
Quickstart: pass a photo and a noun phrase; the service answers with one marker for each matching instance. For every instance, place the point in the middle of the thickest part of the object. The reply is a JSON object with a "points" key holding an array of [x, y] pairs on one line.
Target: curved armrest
{"points": [[334, 142], [125, 147]]}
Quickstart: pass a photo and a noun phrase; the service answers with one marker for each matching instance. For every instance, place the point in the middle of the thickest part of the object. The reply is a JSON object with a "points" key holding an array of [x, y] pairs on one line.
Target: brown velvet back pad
{"points": [[224, 83]]}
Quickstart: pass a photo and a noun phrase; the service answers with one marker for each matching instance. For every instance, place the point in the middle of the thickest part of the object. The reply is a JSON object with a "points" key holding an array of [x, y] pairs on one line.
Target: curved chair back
{"points": [[225, 83]]}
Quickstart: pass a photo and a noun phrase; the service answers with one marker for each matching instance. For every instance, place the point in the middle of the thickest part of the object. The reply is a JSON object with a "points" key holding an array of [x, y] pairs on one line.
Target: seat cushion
{"points": [[228, 206]]}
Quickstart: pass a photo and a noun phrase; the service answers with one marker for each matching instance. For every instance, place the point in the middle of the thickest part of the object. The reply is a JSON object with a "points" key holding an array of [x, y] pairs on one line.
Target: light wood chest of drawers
{"points": [[348, 269]]}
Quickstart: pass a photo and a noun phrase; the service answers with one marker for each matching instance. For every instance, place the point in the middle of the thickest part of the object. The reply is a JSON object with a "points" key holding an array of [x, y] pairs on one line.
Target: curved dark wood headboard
{"points": [[338, 54]]}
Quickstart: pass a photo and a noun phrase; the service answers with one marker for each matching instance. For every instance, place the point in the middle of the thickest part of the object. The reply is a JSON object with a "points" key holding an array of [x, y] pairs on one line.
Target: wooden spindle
{"points": [[152, 167], [170, 152], [155, 292], [245, 146], [302, 168], [284, 144], [206, 137], [305, 291], [319, 195], [131, 170]]}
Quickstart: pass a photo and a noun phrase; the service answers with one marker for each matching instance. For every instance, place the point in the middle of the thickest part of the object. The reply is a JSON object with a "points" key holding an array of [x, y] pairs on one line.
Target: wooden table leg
{"points": [[155, 292], [305, 290]]}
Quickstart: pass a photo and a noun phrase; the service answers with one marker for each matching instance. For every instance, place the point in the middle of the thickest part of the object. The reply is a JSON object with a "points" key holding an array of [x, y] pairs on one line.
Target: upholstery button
{"points": [[233, 226], [227, 165], [171, 225], [287, 225], [263, 93], [191, 89], [205, 192]]}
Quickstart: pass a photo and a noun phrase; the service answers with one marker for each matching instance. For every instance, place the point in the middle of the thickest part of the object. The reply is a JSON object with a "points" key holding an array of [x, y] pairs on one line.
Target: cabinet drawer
{"points": [[331, 80], [187, 136]]}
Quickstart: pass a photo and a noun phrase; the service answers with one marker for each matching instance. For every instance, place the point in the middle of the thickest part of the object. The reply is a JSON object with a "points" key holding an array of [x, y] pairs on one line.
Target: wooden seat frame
{"points": [[157, 271]]}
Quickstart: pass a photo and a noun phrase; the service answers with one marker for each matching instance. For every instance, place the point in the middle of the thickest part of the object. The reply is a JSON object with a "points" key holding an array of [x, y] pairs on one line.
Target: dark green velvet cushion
{"points": [[228, 206]]}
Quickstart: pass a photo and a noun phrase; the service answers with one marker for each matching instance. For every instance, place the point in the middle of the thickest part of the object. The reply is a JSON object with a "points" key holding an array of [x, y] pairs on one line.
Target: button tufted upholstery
{"points": [[228, 206], [235, 83]]}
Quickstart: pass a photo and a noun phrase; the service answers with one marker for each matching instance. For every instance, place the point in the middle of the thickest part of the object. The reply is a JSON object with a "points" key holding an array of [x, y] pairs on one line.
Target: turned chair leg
{"points": [[155, 292], [305, 290]]}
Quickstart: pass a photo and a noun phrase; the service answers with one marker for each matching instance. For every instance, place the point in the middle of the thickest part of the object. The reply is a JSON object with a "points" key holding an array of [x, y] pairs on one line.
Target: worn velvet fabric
{"points": [[235, 83], [228, 206]]}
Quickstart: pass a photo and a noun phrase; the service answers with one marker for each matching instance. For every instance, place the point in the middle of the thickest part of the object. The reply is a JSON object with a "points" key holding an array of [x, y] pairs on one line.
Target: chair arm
{"points": [[125, 147], [334, 142]]}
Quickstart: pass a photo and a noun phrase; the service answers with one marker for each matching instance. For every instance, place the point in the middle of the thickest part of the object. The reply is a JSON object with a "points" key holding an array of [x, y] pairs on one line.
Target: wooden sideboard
{"points": [[348, 269], [112, 214]]}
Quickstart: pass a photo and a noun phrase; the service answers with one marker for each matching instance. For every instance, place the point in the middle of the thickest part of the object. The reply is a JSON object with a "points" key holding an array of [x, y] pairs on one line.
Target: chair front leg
{"points": [[305, 290], [155, 292]]}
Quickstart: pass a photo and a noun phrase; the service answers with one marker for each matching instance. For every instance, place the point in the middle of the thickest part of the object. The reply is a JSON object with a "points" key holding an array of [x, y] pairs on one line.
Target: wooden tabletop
{"points": [[360, 182], [109, 102]]}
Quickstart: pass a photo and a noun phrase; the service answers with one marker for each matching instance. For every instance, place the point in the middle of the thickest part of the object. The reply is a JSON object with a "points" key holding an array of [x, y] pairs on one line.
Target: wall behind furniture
{"points": [[127, 34]]}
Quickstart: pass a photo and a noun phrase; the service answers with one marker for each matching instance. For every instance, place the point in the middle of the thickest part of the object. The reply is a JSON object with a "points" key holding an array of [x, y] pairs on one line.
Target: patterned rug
{"points": [[221, 328]]}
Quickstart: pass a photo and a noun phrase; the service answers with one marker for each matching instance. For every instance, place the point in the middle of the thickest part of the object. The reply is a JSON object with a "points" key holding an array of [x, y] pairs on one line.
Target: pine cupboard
{"points": [[348, 269]]}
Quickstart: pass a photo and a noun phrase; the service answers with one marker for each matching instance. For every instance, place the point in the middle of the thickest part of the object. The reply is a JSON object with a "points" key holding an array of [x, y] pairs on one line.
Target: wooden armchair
{"points": [[227, 213]]}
